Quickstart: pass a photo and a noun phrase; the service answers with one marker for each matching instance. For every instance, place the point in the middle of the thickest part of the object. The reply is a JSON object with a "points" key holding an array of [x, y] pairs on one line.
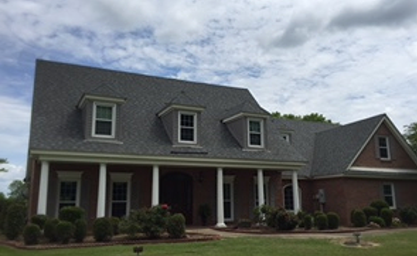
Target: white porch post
{"points": [[155, 185], [261, 196], [101, 198], [220, 206], [43, 187], [296, 196]]}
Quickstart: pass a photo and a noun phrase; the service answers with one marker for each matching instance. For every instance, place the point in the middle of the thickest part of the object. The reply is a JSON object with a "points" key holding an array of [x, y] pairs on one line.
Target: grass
{"points": [[396, 243]]}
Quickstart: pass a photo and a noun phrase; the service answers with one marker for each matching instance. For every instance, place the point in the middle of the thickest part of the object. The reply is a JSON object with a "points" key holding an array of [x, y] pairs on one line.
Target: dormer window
{"points": [[187, 127], [104, 119], [383, 148], [255, 133], [286, 137]]}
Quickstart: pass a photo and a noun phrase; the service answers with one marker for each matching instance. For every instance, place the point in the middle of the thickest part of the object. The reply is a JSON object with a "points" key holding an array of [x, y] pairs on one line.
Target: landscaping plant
{"points": [[31, 234]]}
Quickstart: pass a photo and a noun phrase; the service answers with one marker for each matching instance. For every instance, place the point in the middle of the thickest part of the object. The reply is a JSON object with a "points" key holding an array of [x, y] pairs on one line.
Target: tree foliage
{"points": [[3, 161], [18, 191], [411, 135], [313, 117]]}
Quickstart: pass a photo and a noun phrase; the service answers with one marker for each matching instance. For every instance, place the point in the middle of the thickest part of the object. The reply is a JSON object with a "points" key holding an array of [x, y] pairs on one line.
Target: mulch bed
{"points": [[117, 240]]}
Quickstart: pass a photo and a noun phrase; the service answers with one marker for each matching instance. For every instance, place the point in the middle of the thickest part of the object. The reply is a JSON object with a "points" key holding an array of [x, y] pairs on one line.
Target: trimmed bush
{"points": [[308, 222], [153, 221], [379, 205], [370, 211], [71, 213], [333, 220], [115, 224], [408, 215], [129, 226], [378, 220], [300, 216], [358, 218], [31, 234], [65, 231], [50, 229], [286, 220], [102, 229], [387, 214], [39, 220], [80, 230], [315, 215], [15, 221], [271, 217], [176, 226], [322, 222]]}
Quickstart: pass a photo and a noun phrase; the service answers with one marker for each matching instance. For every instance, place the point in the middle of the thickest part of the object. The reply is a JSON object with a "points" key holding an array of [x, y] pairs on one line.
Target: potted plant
{"points": [[204, 212]]}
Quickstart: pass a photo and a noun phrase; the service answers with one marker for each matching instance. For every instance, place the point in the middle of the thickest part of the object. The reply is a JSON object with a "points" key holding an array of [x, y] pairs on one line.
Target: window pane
{"points": [[387, 190], [103, 128], [226, 192], [68, 191], [383, 152], [187, 134], [255, 139], [187, 120], [119, 191], [288, 198], [382, 142], [254, 126], [227, 210], [104, 112], [118, 209]]}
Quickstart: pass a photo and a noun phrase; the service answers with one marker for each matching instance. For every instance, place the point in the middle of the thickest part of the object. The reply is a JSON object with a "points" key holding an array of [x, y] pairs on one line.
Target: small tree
{"points": [[15, 221]]}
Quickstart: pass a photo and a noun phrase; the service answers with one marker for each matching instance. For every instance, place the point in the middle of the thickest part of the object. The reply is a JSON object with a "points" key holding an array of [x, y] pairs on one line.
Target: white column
{"points": [[261, 196], [155, 185], [101, 198], [220, 205], [43, 187], [296, 196]]}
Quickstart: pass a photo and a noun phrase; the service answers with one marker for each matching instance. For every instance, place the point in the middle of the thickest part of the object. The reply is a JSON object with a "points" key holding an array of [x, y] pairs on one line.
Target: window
{"points": [[104, 116], [187, 127], [286, 137], [266, 191], [389, 195], [68, 189], [120, 194], [255, 133], [383, 148], [228, 198], [289, 197]]}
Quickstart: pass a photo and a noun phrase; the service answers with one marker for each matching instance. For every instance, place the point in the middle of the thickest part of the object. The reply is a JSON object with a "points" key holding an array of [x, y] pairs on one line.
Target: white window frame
{"points": [[113, 121], [262, 131], [194, 115], [68, 176], [120, 177], [392, 195], [266, 191], [229, 179], [387, 147], [300, 192]]}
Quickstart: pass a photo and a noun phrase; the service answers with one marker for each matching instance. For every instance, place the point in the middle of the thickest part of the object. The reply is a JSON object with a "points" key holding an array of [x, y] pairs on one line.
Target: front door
{"points": [[177, 192]]}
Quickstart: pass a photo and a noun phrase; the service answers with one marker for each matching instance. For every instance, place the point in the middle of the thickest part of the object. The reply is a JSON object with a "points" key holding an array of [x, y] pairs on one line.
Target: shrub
{"points": [[65, 231], [115, 224], [308, 222], [378, 220], [31, 234], [129, 226], [176, 226], [379, 205], [50, 229], [408, 215], [300, 217], [387, 214], [244, 223], [370, 211], [15, 221], [153, 221], [39, 220], [286, 220], [322, 222], [358, 218], [102, 229], [71, 213], [80, 230], [271, 217], [333, 220], [315, 215]]}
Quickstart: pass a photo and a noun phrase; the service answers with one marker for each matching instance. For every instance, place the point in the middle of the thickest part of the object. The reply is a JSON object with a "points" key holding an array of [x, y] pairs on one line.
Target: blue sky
{"points": [[345, 59]]}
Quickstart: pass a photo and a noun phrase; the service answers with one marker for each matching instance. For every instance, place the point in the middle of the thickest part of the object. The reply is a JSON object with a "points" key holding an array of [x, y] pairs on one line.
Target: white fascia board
{"points": [[99, 99], [180, 107], [83, 157], [243, 114], [383, 170]]}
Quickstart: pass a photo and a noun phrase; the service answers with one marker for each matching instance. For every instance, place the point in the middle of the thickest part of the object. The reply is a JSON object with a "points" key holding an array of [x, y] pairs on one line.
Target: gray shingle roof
{"points": [[336, 148], [57, 124]]}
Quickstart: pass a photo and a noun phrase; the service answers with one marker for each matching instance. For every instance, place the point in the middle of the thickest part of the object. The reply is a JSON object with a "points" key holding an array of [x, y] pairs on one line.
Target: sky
{"points": [[347, 60]]}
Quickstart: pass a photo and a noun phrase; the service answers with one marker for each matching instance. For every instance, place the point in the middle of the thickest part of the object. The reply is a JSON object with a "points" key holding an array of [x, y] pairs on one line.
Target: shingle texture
{"points": [[57, 123]]}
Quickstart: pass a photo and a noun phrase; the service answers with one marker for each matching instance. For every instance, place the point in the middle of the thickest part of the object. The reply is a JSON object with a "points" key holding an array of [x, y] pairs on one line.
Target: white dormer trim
{"points": [[113, 120], [87, 97], [262, 132], [243, 114], [194, 141], [180, 108]]}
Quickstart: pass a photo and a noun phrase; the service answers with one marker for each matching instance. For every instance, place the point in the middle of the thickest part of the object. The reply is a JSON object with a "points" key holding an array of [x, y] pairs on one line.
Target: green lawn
{"points": [[398, 243]]}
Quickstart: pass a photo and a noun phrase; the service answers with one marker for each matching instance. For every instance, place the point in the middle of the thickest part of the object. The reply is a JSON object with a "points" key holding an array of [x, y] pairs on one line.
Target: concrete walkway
{"points": [[230, 234]]}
